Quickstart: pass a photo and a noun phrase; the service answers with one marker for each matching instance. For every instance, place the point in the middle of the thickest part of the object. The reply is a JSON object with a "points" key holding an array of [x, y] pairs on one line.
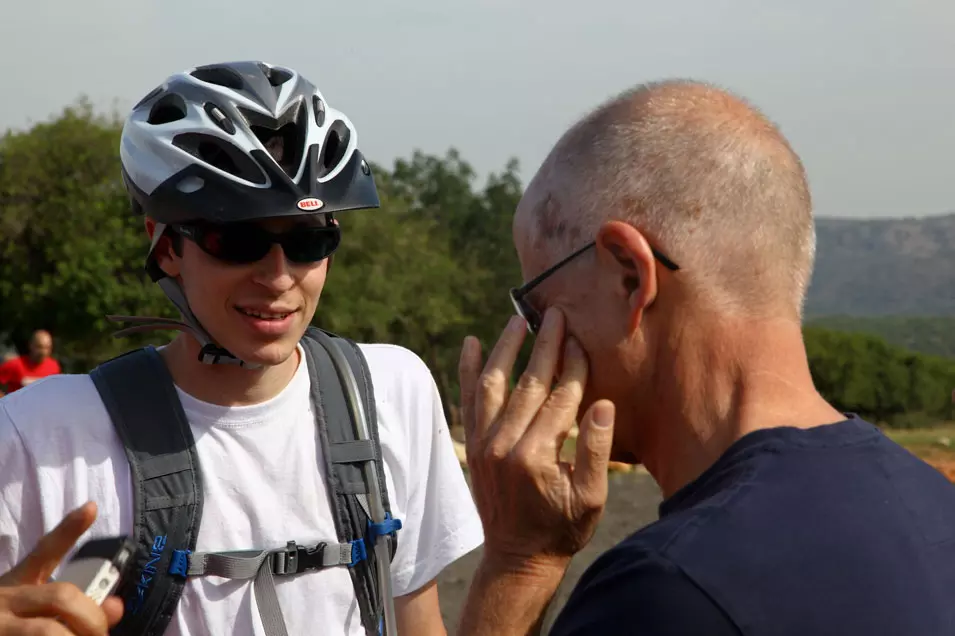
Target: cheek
{"points": [[313, 282], [607, 375], [208, 285]]}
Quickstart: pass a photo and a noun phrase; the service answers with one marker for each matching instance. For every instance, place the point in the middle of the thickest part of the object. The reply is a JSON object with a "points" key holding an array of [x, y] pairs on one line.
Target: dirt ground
{"points": [[632, 504], [945, 465]]}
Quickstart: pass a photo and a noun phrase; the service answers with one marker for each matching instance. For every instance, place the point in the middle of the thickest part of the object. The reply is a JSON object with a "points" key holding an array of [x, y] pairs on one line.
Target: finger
{"points": [[37, 567], [27, 626], [534, 386], [535, 383], [63, 601], [593, 454], [113, 608], [469, 369], [558, 414], [491, 390]]}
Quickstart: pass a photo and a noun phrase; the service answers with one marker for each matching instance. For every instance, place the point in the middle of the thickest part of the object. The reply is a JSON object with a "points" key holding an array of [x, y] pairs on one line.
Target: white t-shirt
{"points": [[264, 485]]}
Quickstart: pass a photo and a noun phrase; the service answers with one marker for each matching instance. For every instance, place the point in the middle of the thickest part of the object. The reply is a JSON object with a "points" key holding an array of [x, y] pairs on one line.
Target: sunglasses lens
{"points": [[311, 244], [244, 243], [237, 243]]}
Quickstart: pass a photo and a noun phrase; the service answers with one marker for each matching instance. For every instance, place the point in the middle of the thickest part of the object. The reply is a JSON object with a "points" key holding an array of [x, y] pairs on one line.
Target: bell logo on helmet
{"points": [[310, 203]]}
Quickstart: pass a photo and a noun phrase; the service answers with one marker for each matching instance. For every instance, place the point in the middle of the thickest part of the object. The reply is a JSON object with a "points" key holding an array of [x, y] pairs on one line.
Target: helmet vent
{"points": [[168, 108], [220, 154], [278, 76], [333, 150], [153, 93], [219, 118], [219, 75], [319, 107], [286, 145]]}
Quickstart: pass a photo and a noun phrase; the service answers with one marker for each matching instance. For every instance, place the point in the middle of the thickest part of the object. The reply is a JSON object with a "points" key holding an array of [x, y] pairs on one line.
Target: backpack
{"points": [[141, 399]]}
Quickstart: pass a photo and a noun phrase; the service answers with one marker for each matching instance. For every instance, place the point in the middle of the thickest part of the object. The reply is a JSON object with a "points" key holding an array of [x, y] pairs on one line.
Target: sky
{"points": [[863, 89]]}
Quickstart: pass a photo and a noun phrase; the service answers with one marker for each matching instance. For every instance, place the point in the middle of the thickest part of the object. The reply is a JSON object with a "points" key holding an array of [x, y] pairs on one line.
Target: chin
{"points": [[269, 355]]}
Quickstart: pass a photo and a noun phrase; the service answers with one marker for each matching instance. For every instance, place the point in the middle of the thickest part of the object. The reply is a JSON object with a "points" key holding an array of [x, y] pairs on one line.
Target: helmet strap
{"points": [[209, 351]]}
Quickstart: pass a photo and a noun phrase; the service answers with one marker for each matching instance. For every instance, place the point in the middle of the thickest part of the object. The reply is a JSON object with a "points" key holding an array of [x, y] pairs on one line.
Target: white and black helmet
{"points": [[200, 148], [195, 148]]}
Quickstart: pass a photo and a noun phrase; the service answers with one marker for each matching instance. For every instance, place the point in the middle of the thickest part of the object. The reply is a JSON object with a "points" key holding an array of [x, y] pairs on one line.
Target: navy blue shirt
{"points": [[829, 530]]}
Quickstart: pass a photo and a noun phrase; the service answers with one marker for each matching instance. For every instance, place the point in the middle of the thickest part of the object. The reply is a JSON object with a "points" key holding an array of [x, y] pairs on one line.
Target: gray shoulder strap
{"points": [[142, 402], [345, 456]]}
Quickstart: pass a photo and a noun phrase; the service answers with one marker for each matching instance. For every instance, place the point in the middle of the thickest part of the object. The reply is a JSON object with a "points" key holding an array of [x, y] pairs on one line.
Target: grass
{"points": [[937, 442]]}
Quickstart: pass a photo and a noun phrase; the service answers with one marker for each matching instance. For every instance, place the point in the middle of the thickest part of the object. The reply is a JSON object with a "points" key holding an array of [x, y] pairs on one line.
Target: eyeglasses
{"points": [[531, 316], [247, 242]]}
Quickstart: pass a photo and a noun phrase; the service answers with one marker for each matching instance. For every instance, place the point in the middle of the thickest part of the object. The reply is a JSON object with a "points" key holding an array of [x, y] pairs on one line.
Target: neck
{"points": [[717, 384], [223, 384]]}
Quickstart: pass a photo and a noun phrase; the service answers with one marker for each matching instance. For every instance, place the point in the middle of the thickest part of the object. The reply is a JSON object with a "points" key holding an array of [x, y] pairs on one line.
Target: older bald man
{"points": [[668, 244], [37, 364]]}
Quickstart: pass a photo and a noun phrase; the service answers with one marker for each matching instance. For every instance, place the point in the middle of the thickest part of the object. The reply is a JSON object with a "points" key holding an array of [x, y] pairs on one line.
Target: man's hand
{"points": [[537, 510], [534, 505], [29, 604]]}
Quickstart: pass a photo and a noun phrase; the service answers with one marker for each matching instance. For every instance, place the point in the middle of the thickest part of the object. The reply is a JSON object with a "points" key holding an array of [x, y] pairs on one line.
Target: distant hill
{"points": [[934, 335], [884, 267]]}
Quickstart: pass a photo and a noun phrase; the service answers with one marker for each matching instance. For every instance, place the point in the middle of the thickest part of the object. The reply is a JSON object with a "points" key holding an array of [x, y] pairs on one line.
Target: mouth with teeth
{"points": [[264, 315]]}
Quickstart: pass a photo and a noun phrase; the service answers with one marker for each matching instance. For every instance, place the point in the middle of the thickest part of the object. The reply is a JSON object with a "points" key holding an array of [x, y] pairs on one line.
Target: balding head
{"points": [[702, 174], [41, 345]]}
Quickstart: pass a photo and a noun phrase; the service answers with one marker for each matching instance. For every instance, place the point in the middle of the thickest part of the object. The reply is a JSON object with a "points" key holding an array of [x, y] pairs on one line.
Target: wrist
{"points": [[536, 571], [510, 594]]}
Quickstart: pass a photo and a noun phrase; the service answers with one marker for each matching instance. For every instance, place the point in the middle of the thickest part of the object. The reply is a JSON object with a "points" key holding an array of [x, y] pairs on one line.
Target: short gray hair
{"points": [[701, 173]]}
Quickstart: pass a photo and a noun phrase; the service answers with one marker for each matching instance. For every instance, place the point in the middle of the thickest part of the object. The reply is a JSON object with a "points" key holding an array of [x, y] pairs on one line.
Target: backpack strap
{"points": [[346, 456], [142, 402], [263, 565]]}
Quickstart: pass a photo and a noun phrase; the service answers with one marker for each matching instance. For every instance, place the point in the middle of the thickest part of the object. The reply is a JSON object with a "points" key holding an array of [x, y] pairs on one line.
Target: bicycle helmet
{"points": [[197, 148]]}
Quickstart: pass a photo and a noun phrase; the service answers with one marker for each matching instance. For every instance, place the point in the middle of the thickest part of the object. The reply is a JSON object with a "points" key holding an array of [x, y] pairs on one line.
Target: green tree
{"points": [[72, 251], [864, 374], [431, 266]]}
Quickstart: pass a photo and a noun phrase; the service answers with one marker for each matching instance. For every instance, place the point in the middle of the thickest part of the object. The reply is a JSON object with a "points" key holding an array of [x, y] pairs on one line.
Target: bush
{"points": [[910, 421]]}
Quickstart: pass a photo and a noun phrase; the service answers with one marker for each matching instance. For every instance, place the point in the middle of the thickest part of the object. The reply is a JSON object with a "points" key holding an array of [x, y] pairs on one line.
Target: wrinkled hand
{"points": [[29, 604], [533, 505]]}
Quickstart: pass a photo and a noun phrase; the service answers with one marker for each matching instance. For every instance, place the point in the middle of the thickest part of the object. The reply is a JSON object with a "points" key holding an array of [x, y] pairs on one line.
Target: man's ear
{"points": [[164, 253], [627, 254]]}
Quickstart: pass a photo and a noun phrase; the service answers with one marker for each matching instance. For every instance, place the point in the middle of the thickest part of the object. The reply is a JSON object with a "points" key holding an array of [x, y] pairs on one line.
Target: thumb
{"points": [[37, 567], [593, 454]]}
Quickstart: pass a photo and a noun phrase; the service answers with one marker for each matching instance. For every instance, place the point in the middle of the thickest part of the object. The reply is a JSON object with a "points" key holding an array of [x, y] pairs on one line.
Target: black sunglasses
{"points": [[248, 242], [531, 316]]}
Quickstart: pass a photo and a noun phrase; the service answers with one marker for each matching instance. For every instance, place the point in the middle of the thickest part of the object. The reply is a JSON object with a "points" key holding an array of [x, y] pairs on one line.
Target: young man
{"points": [[238, 169]]}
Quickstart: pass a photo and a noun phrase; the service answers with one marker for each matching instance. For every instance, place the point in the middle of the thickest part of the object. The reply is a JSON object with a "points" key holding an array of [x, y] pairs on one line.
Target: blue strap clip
{"points": [[388, 526], [179, 564], [358, 552]]}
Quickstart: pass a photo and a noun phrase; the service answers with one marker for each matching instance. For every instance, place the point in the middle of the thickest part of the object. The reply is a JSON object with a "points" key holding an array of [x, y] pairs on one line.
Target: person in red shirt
{"points": [[23, 370]]}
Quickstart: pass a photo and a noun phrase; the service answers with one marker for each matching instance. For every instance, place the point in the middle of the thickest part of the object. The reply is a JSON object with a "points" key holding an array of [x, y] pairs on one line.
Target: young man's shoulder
{"points": [[60, 397], [396, 368], [55, 420]]}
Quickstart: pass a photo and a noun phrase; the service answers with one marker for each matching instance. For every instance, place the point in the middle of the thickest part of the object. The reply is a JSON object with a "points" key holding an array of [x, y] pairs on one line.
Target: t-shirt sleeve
{"points": [[638, 592], [21, 523], [440, 523]]}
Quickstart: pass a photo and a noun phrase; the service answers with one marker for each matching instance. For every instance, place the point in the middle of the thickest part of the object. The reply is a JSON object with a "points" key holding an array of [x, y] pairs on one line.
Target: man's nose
{"points": [[273, 270]]}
